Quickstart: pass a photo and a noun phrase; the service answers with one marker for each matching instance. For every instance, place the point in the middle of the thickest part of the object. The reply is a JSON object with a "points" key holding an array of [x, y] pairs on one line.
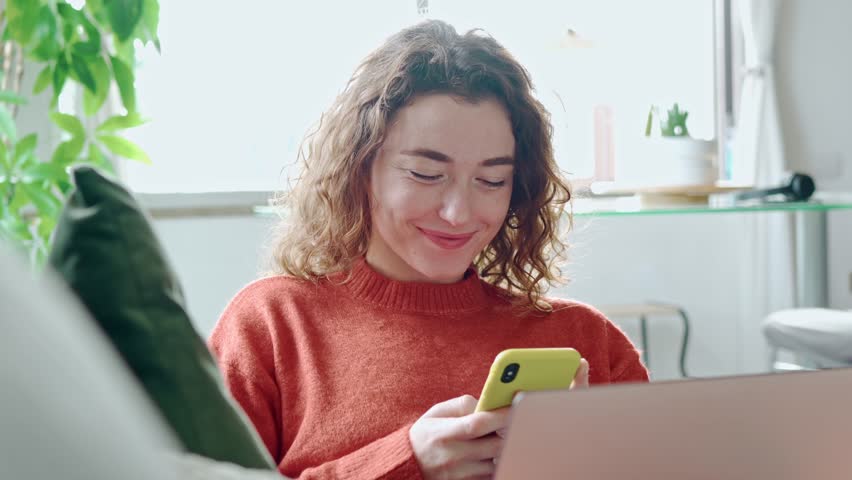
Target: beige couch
{"points": [[69, 408]]}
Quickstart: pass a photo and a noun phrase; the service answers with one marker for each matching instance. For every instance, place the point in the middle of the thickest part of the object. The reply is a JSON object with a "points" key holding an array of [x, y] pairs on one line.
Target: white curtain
{"points": [[768, 266]]}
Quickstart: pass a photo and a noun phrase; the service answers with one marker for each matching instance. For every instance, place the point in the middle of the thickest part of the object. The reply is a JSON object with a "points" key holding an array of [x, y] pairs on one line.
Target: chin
{"points": [[440, 270]]}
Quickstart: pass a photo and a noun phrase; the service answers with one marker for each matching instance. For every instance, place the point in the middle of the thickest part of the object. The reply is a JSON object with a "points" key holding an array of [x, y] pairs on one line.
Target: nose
{"points": [[456, 206]]}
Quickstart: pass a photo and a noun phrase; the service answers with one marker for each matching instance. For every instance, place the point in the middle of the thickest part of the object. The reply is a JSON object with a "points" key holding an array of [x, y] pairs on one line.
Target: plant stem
{"points": [[7, 64], [19, 75]]}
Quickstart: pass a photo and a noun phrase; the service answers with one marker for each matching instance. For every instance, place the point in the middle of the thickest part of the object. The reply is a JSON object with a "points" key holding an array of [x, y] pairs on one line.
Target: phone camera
{"points": [[510, 373]]}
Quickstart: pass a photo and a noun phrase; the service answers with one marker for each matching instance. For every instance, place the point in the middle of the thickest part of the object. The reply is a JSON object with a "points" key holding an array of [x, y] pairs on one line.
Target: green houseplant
{"points": [[673, 125], [89, 45], [668, 156]]}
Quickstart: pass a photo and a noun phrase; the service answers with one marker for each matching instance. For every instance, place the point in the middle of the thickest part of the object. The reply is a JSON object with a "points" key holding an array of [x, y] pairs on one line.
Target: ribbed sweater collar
{"points": [[467, 295]]}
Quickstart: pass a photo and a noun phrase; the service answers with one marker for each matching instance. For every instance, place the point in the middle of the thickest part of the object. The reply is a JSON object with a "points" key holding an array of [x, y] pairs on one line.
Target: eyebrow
{"points": [[444, 158]]}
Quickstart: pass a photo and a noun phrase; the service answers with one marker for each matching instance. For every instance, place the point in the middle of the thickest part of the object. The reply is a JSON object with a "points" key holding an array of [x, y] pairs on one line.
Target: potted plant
{"points": [[678, 158], [91, 47]]}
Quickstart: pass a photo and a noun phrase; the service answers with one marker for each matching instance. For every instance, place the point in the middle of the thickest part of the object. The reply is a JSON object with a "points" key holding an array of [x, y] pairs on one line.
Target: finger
{"points": [[581, 378], [479, 424], [486, 448], [475, 469], [454, 407]]}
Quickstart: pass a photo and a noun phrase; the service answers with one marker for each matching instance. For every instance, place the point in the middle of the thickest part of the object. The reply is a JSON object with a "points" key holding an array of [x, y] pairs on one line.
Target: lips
{"points": [[447, 241]]}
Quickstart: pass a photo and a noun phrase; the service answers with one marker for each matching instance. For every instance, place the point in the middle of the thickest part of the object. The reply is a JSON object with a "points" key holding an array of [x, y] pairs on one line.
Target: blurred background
{"points": [[233, 87]]}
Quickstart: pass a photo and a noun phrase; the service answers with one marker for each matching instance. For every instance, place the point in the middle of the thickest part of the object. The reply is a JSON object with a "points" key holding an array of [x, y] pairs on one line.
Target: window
{"points": [[235, 89]]}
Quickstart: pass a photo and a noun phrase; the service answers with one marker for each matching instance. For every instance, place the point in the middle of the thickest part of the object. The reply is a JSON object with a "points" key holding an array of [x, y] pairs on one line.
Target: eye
{"points": [[425, 178], [491, 184]]}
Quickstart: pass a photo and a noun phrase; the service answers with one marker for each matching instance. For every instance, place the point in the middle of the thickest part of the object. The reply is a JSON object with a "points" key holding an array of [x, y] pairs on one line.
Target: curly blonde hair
{"points": [[327, 220]]}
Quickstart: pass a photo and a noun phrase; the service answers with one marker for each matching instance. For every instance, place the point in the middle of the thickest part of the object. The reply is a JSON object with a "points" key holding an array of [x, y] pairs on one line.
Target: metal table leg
{"points": [[685, 343], [811, 258], [643, 330]]}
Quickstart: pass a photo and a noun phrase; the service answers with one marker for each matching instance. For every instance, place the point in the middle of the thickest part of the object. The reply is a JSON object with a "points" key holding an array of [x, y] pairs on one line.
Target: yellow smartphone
{"points": [[527, 369]]}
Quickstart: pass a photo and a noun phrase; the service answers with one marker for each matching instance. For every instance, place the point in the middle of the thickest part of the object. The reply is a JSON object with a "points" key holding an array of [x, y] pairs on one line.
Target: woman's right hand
{"points": [[451, 442]]}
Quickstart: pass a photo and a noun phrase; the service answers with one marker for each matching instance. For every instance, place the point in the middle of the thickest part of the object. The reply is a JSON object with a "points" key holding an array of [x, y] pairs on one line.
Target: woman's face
{"points": [[440, 187]]}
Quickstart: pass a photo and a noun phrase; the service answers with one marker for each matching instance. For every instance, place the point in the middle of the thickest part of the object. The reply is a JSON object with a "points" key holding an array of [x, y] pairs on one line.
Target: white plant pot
{"points": [[669, 161]]}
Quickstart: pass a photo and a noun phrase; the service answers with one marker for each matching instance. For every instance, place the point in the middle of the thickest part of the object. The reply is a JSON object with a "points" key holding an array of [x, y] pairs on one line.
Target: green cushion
{"points": [[106, 250]]}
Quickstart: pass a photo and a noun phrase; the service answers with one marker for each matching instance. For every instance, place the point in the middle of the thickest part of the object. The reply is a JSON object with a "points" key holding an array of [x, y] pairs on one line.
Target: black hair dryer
{"points": [[799, 188]]}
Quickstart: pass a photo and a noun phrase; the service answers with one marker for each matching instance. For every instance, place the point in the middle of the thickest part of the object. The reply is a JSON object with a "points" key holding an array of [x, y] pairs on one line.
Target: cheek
{"points": [[494, 208], [398, 202]]}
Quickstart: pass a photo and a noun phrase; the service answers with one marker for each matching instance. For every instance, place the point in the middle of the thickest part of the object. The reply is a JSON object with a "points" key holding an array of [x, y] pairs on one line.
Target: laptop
{"points": [[781, 426]]}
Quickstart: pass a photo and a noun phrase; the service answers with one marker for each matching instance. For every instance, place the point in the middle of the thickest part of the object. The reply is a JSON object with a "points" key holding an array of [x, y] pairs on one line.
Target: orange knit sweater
{"points": [[333, 374]]}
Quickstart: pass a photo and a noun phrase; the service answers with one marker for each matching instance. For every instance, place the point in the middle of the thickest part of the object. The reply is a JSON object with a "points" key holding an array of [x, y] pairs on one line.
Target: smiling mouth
{"points": [[447, 241]]}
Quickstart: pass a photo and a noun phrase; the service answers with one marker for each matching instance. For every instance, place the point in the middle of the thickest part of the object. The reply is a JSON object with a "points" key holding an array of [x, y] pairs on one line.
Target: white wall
{"points": [[689, 260], [214, 257], [814, 70]]}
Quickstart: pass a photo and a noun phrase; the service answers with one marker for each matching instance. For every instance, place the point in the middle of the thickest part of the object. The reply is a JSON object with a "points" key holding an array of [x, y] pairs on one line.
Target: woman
{"points": [[421, 237]]}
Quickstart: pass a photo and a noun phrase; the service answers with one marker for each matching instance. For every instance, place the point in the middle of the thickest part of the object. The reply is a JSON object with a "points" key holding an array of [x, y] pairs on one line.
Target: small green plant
{"points": [[92, 45], [674, 125]]}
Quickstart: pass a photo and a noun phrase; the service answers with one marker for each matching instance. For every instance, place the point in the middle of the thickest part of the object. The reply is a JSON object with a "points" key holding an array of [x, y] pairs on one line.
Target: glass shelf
{"points": [[661, 205], [642, 205]]}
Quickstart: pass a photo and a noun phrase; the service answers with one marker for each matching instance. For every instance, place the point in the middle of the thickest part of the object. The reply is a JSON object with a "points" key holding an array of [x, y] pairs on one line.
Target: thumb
{"points": [[454, 407], [581, 378]]}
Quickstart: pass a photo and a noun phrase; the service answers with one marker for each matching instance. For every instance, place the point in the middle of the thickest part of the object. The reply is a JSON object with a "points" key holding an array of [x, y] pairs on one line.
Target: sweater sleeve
{"points": [[243, 345], [624, 360], [243, 348], [388, 458]]}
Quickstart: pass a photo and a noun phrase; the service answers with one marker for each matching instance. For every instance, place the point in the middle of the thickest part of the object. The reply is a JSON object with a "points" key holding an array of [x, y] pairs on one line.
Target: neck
{"points": [[385, 261], [368, 284]]}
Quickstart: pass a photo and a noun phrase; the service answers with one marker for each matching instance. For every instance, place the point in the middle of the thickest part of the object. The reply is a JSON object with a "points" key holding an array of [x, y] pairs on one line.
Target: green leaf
{"points": [[121, 122], [126, 52], [7, 124], [43, 79], [98, 159], [82, 73], [151, 20], [124, 79], [45, 37], [70, 20], [67, 12], [26, 144], [12, 97], [124, 148], [123, 16], [69, 123], [92, 102], [68, 152], [65, 188], [96, 9], [69, 30], [42, 198], [19, 200], [91, 46], [5, 167], [60, 74], [44, 171], [85, 49], [4, 190], [25, 148], [23, 17]]}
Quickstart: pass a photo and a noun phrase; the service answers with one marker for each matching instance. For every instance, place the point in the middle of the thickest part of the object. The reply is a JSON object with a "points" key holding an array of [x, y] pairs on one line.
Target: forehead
{"points": [[456, 127]]}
